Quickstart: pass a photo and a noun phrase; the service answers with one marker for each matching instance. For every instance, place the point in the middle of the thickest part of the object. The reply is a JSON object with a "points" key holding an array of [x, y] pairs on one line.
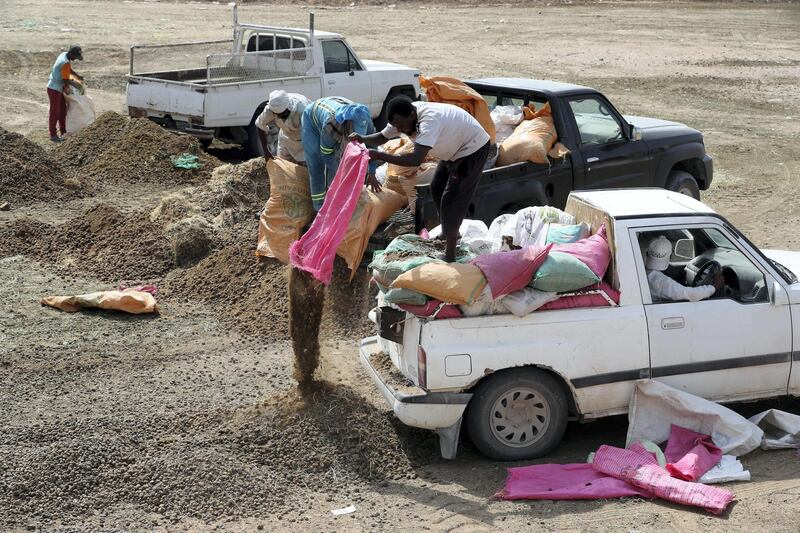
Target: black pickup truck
{"points": [[608, 150]]}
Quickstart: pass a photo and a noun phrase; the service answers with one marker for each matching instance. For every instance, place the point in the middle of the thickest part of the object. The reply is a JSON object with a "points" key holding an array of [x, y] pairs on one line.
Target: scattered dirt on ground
{"points": [[28, 173], [306, 303], [115, 149]]}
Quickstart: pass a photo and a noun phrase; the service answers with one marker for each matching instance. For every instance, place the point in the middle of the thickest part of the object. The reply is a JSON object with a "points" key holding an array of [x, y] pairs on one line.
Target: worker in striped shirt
{"points": [[326, 125]]}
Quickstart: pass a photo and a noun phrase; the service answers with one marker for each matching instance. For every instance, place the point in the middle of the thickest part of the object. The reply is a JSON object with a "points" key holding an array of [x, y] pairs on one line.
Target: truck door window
{"points": [[744, 281], [338, 58], [596, 123]]}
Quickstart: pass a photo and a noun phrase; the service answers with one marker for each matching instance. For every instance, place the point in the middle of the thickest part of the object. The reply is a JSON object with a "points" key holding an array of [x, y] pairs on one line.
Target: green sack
{"points": [[185, 160], [562, 272], [404, 296], [410, 251]]}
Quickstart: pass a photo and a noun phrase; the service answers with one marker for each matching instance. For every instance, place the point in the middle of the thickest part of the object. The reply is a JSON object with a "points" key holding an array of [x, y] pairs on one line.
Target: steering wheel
{"points": [[707, 274]]}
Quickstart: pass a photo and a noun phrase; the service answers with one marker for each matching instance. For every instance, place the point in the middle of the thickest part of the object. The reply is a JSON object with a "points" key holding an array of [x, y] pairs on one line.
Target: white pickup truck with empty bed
{"points": [[216, 89], [516, 381]]}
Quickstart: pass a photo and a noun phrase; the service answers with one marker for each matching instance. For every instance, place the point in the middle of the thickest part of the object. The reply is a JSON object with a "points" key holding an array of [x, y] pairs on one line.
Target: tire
{"points": [[252, 146], [205, 143], [684, 183], [540, 412]]}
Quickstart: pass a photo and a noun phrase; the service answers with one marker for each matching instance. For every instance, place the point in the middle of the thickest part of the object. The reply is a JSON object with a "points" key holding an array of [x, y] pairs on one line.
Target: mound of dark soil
{"points": [[103, 242], [119, 149], [28, 173]]}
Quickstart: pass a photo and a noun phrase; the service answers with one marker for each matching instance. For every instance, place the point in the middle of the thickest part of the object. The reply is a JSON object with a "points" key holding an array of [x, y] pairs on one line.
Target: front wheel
{"points": [[517, 414], [683, 183]]}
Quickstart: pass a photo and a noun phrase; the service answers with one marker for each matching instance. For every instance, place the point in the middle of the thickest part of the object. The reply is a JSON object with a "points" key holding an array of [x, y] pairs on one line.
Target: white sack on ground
{"points": [[728, 469], [781, 429], [655, 406]]}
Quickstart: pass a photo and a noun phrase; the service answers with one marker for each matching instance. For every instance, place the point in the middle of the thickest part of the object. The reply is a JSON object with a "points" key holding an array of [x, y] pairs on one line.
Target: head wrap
{"points": [[358, 113], [279, 101], [658, 253]]}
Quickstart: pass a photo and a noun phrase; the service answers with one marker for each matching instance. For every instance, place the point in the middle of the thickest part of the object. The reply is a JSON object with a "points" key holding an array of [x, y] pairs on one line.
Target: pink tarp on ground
{"points": [[316, 250], [564, 482], [690, 454]]}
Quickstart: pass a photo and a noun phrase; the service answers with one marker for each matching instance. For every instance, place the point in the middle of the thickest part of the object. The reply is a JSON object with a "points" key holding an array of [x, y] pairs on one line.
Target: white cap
{"points": [[658, 252], [279, 101]]}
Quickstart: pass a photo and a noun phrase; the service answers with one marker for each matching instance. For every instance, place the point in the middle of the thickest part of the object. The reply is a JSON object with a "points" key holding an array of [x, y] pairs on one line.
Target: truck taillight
{"points": [[422, 367]]}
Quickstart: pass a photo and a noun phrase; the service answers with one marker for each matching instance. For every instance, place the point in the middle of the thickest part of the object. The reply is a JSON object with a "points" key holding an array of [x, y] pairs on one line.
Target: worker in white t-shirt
{"points": [[284, 110], [663, 287], [449, 134]]}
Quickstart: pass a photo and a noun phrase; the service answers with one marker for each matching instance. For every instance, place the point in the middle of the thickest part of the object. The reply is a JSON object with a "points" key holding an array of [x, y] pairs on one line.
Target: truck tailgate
{"points": [[163, 97]]}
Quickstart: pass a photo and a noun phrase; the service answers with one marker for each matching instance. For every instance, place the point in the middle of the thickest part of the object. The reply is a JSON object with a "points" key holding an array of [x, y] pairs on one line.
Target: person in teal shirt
{"points": [[60, 77], [326, 125]]}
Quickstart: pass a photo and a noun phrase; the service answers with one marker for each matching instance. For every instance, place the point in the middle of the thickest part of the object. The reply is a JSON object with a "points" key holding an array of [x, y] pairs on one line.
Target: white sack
{"points": [[781, 429], [80, 111], [501, 226], [474, 234], [527, 300], [728, 469], [655, 406], [531, 229], [484, 305]]}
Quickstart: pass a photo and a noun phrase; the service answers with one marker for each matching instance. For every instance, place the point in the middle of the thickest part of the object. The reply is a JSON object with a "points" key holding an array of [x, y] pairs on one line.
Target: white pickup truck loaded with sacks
{"points": [[216, 89], [515, 381]]}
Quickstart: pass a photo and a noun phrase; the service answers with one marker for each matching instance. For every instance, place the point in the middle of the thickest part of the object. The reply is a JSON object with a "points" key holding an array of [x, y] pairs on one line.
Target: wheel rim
{"points": [[519, 417], [685, 191]]}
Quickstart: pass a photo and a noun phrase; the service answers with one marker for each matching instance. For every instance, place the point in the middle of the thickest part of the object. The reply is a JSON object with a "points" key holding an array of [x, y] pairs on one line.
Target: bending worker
{"points": [[327, 124], [663, 287], [449, 134], [60, 80], [285, 111]]}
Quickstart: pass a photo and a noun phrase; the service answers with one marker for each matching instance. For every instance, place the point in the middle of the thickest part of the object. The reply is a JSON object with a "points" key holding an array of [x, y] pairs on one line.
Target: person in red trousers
{"points": [[60, 80]]}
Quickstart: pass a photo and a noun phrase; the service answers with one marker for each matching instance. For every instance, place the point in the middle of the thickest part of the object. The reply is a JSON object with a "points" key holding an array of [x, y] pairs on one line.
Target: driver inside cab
{"points": [[663, 287]]}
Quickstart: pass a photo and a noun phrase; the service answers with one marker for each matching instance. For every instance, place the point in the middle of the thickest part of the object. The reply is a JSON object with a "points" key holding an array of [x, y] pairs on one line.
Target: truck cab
{"points": [[516, 381]]}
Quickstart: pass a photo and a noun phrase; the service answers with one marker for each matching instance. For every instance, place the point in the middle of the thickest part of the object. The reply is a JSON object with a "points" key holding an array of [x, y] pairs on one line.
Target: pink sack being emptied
{"points": [[316, 250], [507, 272], [690, 454]]}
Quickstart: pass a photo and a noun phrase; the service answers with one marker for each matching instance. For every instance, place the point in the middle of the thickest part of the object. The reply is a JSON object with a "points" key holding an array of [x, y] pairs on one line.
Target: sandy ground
{"points": [[729, 70]]}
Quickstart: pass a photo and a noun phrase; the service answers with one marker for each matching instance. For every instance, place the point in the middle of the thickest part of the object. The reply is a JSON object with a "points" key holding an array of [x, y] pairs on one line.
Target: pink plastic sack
{"points": [[584, 300], [507, 272], [640, 468], [316, 250], [564, 482], [447, 311], [657, 481], [592, 251], [690, 454]]}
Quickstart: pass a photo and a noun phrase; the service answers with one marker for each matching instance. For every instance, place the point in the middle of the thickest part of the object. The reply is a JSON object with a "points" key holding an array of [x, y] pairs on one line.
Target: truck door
{"points": [[608, 157], [344, 75], [728, 347]]}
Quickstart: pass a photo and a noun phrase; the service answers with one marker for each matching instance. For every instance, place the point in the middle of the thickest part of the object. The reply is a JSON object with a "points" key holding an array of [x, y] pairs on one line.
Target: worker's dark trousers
{"points": [[453, 186]]}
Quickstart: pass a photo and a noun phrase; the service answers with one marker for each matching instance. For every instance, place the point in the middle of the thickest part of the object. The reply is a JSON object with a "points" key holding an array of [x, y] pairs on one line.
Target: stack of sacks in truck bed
{"points": [[535, 259]]}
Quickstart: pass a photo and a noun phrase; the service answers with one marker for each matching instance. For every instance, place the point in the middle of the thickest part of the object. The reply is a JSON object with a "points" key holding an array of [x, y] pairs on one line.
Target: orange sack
{"points": [[454, 91], [531, 140], [135, 302]]}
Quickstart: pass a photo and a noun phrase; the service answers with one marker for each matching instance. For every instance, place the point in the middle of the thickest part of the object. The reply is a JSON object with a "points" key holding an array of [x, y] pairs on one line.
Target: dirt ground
{"points": [[181, 422]]}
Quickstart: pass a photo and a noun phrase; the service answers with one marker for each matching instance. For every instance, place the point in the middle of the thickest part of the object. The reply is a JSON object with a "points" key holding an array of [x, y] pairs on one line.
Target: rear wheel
{"points": [[684, 183], [517, 414]]}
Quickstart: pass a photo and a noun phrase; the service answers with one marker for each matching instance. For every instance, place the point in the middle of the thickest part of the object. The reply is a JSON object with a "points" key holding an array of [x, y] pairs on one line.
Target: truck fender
{"points": [[569, 392], [687, 157], [381, 120]]}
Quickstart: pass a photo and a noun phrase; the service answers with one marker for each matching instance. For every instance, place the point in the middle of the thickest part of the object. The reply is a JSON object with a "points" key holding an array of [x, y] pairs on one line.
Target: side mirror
{"points": [[684, 249], [779, 297], [634, 134]]}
